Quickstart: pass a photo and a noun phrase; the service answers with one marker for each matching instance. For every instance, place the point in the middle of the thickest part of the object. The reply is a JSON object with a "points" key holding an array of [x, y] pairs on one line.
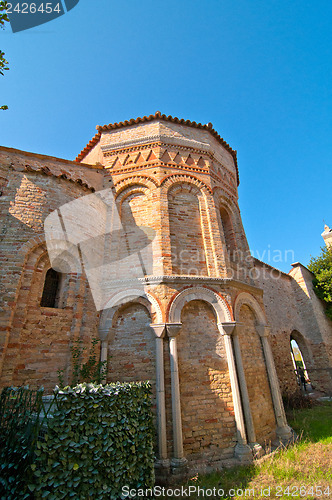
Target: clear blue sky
{"points": [[259, 70]]}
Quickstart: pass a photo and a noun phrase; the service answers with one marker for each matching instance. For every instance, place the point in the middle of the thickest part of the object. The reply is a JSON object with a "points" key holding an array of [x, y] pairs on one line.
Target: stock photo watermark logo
{"points": [[121, 258], [87, 235], [28, 14]]}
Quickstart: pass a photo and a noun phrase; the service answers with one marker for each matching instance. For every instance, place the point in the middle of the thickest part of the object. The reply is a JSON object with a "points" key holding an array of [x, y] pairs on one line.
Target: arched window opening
{"points": [[299, 366], [228, 231], [50, 296]]}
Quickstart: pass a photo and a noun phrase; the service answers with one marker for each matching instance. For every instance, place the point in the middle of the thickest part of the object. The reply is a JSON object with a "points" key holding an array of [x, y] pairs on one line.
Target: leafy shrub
{"points": [[92, 370], [296, 401], [19, 427], [99, 439], [321, 267]]}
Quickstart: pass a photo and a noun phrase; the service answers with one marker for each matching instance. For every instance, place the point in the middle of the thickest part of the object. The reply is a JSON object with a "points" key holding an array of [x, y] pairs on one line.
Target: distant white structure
{"points": [[327, 236]]}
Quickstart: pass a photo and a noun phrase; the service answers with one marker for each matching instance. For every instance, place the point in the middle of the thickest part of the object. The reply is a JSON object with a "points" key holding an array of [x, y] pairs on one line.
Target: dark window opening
{"points": [[51, 286]]}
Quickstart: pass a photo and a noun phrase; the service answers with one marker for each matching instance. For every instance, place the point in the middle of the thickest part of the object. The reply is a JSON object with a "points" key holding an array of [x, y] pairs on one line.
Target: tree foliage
{"points": [[321, 267], [3, 62]]}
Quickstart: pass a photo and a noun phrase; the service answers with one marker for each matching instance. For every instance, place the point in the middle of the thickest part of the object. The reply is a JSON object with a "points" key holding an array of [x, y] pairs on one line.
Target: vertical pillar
{"points": [[256, 447], [103, 334], [284, 432], [178, 459], [242, 450], [160, 331]]}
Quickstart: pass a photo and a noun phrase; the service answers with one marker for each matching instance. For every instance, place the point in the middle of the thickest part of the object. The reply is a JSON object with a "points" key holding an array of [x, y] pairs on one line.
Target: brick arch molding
{"points": [[219, 305], [245, 299]]}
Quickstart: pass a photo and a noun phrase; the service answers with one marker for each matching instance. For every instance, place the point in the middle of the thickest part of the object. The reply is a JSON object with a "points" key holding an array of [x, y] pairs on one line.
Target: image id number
{"points": [[302, 491], [32, 8]]}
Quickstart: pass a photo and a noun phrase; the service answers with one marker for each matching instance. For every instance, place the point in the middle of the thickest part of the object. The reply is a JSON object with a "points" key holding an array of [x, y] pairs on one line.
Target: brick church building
{"points": [[154, 203]]}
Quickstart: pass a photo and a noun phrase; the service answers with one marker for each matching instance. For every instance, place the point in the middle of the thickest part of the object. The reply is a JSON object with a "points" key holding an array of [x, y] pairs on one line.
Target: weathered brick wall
{"points": [[173, 184], [23, 161], [291, 305], [187, 246], [41, 346], [132, 348], [256, 377], [315, 318], [34, 341], [137, 208], [206, 399], [161, 155], [283, 318]]}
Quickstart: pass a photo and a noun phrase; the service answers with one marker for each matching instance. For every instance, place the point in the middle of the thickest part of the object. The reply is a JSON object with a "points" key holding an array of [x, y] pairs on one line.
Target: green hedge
{"points": [[19, 427], [99, 439]]}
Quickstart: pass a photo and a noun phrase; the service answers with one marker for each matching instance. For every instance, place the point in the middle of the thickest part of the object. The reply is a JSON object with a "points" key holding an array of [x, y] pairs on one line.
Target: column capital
{"points": [[238, 328], [226, 328], [159, 329], [263, 330], [103, 332], [173, 329]]}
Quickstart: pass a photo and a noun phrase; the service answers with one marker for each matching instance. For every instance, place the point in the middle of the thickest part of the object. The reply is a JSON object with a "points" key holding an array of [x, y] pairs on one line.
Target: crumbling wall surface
{"points": [[23, 161], [293, 310], [33, 339], [318, 327]]}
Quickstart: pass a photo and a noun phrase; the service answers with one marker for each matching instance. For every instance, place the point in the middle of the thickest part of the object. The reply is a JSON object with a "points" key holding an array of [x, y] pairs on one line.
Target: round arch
{"points": [[303, 346], [141, 181], [30, 245], [173, 179], [219, 304], [246, 299], [124, 297], [131, 189]]}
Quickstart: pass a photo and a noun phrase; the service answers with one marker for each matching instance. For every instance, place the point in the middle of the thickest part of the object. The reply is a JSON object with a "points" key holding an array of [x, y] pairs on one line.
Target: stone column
{"points": [[160, 331], [103, 334], [242, 450], [256, 447], [284, 432], [178, 459]]}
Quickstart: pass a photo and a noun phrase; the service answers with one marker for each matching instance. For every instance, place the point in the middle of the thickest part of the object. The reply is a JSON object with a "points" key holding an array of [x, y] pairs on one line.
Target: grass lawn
{"points": [[302, 470]]}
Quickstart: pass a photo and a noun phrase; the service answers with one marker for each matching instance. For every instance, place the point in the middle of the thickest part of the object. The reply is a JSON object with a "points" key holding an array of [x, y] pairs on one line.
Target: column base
{"points": [[162, 471], [257, 450], [243, 453], [284, 434], [179, 465], [162, 463]]}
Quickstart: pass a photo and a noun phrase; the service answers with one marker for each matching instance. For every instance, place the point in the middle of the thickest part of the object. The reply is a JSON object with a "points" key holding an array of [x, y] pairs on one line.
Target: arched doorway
{"points": [[300, 367]]}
